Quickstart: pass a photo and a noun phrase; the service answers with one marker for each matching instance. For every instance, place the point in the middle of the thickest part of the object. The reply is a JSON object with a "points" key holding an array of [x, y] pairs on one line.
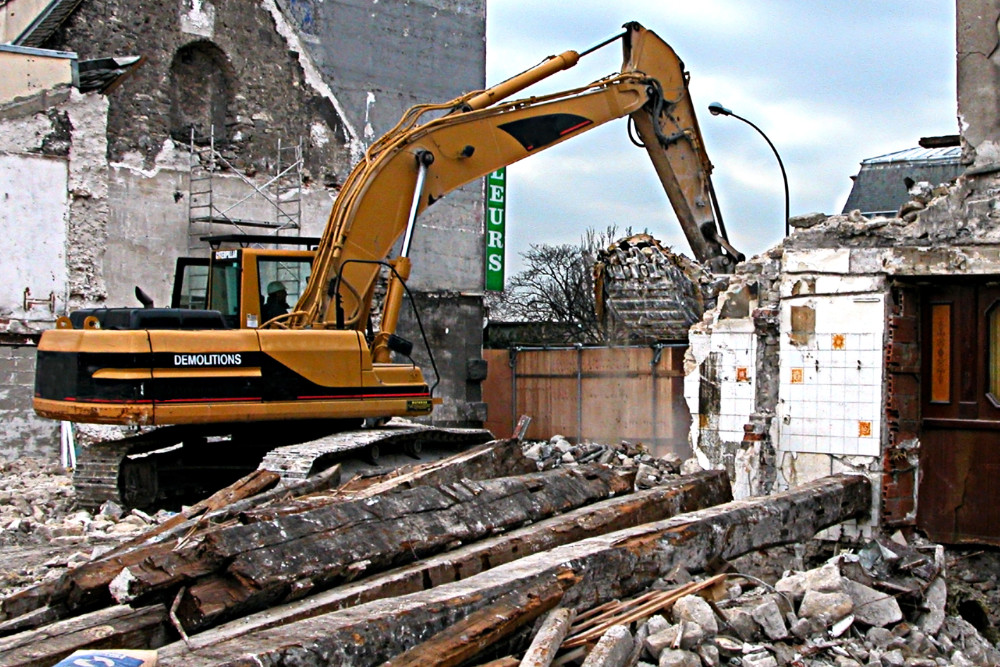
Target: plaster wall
{"points": [[25, 74], [17, 15], [33, 190]]}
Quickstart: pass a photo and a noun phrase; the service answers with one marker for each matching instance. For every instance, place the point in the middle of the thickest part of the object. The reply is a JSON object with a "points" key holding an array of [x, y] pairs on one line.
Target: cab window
{"points": [[282, 281]]}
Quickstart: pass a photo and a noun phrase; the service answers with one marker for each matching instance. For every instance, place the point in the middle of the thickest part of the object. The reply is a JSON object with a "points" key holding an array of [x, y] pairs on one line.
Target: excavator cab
{"points": [[245, 285]]}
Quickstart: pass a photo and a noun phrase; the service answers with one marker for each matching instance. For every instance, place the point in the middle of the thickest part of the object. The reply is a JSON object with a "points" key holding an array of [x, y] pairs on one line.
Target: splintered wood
{"points": [[440, 565]]}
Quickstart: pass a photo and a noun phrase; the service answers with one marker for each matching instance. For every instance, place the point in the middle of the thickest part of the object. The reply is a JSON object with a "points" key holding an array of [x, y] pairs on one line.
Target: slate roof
{"points": [[46, 23], [880, 187]]}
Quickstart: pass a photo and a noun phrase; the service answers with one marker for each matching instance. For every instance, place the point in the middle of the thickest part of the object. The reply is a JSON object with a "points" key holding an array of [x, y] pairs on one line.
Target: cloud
{"points": [[829, 83]]}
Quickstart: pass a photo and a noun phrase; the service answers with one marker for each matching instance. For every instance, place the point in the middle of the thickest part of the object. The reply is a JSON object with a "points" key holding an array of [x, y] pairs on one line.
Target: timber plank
{"points": [[688, 493], [467, 638], [114, 627], [609, 566], [244, 568]]}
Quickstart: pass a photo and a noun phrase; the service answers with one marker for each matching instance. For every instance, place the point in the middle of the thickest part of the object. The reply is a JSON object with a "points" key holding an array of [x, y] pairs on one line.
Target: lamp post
{"points": [[716, 109]]}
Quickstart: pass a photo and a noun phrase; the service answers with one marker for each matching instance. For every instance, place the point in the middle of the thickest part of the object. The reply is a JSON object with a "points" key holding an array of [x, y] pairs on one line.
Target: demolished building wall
{"points": [[98, 195], [853, 365]]}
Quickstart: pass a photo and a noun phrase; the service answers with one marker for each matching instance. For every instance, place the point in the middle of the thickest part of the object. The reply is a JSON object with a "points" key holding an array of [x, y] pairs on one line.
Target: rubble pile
{"points": [[648, 293], [650, 470], [43, 531], [504, 543], [882, 606]]}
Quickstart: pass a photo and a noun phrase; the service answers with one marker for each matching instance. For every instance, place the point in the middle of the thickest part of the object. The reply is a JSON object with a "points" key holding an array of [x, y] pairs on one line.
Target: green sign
{"points": [[496, 186]]}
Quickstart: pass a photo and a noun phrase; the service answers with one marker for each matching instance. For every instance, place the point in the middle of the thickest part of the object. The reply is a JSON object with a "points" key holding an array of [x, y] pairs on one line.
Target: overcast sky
{"points": [[831, 83]]}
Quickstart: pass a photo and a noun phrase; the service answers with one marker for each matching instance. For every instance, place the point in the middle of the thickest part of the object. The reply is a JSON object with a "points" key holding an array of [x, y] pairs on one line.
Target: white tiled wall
{"points": [[737, 386], [830, 389]]}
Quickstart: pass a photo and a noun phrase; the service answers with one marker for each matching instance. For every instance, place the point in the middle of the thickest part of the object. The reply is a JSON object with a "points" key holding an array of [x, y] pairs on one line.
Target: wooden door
{"points": [[959, 492]]}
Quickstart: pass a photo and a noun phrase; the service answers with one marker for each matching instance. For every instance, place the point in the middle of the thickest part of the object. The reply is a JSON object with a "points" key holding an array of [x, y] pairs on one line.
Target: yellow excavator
{"points": [[210, 369]]}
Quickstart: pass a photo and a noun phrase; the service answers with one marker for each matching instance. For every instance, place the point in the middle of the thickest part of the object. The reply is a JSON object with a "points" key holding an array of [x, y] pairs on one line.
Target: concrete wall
{"points": [[21, 432], [379, 59], [979, 80]]}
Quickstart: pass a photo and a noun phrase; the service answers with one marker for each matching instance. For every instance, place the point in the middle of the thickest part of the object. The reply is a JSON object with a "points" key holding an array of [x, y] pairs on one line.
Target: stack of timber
{"points": [[454, 562]]}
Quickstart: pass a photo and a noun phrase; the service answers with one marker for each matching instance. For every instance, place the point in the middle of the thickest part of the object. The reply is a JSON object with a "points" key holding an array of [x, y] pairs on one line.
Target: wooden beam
{"points": [[235, 571], [685, 494], [549, 637], [467, 638], [609, 567], [115, 627]]}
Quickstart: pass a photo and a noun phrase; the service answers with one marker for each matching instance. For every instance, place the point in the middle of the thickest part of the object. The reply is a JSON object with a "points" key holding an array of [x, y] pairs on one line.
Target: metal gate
{"points": [[600, 394]]}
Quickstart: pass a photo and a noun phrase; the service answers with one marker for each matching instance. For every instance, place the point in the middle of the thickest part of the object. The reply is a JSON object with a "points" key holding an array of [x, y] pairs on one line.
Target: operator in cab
{"points": [[276, 303]]}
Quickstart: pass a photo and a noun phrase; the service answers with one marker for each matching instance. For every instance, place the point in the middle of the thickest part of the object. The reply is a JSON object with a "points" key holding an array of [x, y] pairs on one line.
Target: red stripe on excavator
{"points": [[575, 127], [73, 399], [209, 400], [313, 398]]}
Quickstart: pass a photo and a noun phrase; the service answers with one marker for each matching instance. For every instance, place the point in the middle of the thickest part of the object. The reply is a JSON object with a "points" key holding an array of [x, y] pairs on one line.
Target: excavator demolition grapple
{"points": [[228, 388]]}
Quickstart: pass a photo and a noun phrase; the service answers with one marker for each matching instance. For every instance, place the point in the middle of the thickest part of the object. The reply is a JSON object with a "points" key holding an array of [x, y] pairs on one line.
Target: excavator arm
{"points": [[418, 163]]}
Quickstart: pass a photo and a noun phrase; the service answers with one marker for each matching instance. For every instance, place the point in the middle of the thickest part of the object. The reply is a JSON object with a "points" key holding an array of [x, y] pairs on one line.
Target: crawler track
{"points": [[179, 465], [301, 460]]}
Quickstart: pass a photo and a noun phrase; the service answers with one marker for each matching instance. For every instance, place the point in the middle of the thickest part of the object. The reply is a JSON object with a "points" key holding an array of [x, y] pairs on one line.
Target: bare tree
{"points": [[555, 292]]}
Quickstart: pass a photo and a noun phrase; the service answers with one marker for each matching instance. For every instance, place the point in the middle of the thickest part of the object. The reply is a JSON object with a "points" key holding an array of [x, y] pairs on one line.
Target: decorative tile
{"points": [[797, 376], [742, 374], [838, 341], [864, 429]]}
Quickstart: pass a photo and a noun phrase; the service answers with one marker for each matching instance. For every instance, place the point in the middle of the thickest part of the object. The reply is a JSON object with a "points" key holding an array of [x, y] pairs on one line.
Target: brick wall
{"points": [[899, 462], [21, 432]]}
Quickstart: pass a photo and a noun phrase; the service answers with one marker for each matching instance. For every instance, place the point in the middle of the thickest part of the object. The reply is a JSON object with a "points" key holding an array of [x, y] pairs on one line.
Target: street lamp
{"points": [[716, 109]]}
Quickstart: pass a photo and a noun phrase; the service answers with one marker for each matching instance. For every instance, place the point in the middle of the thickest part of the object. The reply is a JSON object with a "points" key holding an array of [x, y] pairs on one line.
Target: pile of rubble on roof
{"points": [[583, 554], [647, 293]]}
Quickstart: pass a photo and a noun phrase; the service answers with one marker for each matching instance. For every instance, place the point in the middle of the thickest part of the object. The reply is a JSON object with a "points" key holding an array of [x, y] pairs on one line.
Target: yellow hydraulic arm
{"points": [[417, 163]]}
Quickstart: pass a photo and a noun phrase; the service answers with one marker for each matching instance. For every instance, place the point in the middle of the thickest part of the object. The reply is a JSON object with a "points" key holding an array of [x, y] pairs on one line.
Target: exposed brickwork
{"points": [[902, 410], [21, 432]]}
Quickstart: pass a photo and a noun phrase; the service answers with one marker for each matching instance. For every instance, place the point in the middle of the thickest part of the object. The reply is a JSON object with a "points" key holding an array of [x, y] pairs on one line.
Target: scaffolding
{"points": [[273, 204], [254, 211]]}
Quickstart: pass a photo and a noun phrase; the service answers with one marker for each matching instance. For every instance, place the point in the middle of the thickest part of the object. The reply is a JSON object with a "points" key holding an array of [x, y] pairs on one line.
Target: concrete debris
{"points": [[647, 293], [650, 470], [881, 604], [848, 622]]}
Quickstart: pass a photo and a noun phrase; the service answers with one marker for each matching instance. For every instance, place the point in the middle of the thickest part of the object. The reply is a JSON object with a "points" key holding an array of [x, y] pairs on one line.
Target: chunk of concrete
{"points": [[709, 655], [677, 658], [762, 659], [825, 608], [825, 579], [872, 607], [685, 635], [935, 598], [742, 623], [768, 615], [612, 650], [693, 608]]}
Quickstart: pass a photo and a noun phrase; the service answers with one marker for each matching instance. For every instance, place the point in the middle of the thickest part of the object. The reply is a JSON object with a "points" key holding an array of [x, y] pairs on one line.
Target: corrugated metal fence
{"points": [[601, 394]]}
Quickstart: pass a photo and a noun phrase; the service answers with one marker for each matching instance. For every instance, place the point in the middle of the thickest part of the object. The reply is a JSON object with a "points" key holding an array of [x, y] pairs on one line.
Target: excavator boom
{"points": [[417, 163]]}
